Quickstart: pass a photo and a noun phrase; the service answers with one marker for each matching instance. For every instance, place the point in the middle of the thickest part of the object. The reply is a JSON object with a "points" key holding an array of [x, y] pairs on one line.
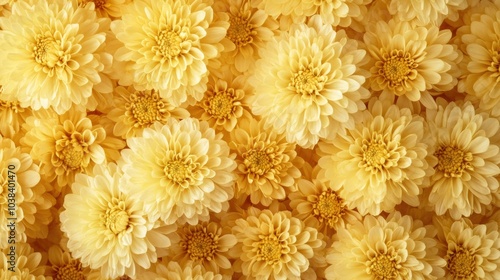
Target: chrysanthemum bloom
{"points": [[425, 12], [107, 8], [321, 207], [112, 231], [267, 163], [172, 50], [62, 266], [50, 53], [471, 251], [381, 162], [66, 144], [411, 61], [135, 110], [467, 160], [206, 244], [274, 245], [308, 83], [181, 170], [21, 195], [249, 29], [12, 116], [481, 65], [226, 102], [29, 264], [394, 248], [172, 270]]}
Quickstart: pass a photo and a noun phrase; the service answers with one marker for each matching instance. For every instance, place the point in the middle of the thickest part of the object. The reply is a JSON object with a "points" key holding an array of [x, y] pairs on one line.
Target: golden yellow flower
{"points": [[173, 48], [381, 162], [12, 116], [470, 250], [29, 264], [425, 12], [112, 231], [467, 160], [64, 267], [398, 247], [50, 53], [410, 61], [107, 8], [274, 245], [180, 170], [172, 270], [308, 83], [135, 110], [267, 163]]}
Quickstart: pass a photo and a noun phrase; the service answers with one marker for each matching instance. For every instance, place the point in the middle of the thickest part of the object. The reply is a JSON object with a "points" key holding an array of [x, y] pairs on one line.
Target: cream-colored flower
{"points": [[467, 160], [471, 250], [173, 48], [112, 231], [425, 12], [107, 8], [411, 61], [274, 245], [64, 267], [381, 162], [308, 83], [22, 197], [12, 116], [321, 207], [267, 163], [172, 270], [135, 110], [28, 264], [206, 244], [394, 248], [181, 170], [50, 53]]}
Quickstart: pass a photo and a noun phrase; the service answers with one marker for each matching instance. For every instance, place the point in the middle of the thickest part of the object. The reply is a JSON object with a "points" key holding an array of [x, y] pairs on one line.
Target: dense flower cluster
{"points": [[250, 139]]}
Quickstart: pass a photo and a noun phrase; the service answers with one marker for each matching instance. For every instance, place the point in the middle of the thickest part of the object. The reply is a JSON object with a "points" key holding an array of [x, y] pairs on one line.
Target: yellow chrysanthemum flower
{"points": [[308, 83], [381, 162], [135, 110], [467, 160], [181, 170], [172, 270], [425, 12], [28, 263], [267, 164], [471, 250], [398, 247], [50, 52], [12, 116], [64, 267], [112, 231], [107, 8], [273, 245], [411, 61], [172, 50]]}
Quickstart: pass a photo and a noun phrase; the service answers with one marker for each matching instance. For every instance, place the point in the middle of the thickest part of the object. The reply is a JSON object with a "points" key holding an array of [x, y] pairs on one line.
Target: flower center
{"points": [[70, 152], [384, 266], [200, 245], [397, 67], [116, 218], [145, 108], [240, 31], [375, 152], [258, 161], [168, 44], [70, 271], [99, 4], [306, 82], [461, 263], [329, 207], [220, 105], [452, 161], [178, 171], [269, 249], [46, 51]]}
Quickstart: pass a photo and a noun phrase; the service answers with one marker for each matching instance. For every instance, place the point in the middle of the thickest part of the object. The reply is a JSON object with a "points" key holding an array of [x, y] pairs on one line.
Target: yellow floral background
{"points": [[250, 139]]}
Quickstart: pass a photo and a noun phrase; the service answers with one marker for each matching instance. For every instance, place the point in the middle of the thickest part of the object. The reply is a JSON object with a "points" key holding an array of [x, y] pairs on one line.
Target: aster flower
{"points": [[181, 170], [66, 144], [467, 160], [135, 110], [267, 164], [394, 248], [411, 61], [172, 51], [50, 52], [320, 207], [63, 266], [381, 162], [29, 265], [274, 245], [31, 199], [226, 102], [471, 250], [206, 244], [425, 12], [309, 83], [112, 231]]}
